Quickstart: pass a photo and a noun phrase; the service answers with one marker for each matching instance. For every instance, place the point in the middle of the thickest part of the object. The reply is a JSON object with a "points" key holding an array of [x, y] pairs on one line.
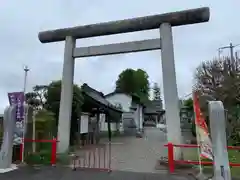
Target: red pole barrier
{"points": [[21, 152], [54, 152], [171, 157]]}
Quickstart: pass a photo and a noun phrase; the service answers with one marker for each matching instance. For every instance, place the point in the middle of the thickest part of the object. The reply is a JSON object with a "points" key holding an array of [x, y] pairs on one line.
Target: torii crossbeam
{"points": [[164, 22]]}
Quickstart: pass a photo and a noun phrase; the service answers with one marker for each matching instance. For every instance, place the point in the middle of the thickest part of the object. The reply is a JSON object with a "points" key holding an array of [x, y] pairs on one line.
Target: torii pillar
{"points": [[164, 22]]}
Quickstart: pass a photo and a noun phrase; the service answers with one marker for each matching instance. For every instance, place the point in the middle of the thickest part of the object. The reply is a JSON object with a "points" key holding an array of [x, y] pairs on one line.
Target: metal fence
{"points": [[93, 157]]}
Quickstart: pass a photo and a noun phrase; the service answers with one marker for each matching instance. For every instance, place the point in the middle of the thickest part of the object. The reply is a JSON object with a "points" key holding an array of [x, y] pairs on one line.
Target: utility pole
{"points": [[236, 55], [219, 53], [231, 51], [231, 47], [26, 69]]}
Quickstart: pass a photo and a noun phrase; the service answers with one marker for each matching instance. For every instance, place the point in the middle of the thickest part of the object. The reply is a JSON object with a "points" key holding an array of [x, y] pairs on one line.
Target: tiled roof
{"points": [[99, 97]]}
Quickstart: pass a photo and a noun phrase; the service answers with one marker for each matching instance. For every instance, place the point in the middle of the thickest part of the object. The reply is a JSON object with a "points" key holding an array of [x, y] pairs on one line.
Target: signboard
{"points": [[84, 123], [17, 98], [202, 130]]}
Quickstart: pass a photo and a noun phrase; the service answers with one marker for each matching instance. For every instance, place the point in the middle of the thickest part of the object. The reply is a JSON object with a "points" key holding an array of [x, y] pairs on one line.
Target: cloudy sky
{"points": [[22, 20]]}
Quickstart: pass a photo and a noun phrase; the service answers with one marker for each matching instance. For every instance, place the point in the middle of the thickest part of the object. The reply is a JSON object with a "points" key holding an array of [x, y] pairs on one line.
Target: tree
{"points": [[156, 92], [188, 104], [31, 99], [45, 124], [219, 79], [47, 97], [53, 95], [132, 81], [36, 98], [40, 91]]}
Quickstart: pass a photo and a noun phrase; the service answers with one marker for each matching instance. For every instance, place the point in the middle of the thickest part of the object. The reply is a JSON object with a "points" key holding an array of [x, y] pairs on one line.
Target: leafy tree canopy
{"points": [[219, 79], [48, 97], [53, 97], [188, 104], [136, 82], [36, 98], [45, 124]]}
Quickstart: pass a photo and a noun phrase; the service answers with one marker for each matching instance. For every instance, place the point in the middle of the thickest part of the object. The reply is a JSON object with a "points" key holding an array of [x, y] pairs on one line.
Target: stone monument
{"points": [[12, 135], [9, 122], [219, 142]]}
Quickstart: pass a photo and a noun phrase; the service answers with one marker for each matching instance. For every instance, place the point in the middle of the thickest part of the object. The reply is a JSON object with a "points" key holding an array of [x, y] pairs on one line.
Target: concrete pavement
{"points": [[138, 154], [131, 159], [60, 173]]}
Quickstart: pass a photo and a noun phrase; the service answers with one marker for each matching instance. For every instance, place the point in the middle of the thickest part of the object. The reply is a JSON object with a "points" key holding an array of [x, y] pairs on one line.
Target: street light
{"points": [[26, 69]]}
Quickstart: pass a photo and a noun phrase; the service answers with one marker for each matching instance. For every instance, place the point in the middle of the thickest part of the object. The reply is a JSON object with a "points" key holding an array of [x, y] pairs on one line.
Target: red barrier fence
{"points": [[93, 157], [53, 148], [172, 162]]}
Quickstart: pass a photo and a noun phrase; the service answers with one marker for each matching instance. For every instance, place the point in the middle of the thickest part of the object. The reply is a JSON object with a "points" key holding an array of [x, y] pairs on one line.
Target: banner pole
{"points": [[199, 153], [198, 138]]}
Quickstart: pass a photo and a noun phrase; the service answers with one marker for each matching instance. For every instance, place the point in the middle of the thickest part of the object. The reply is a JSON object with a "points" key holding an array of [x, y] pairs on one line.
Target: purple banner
{"points": [[17, 98]]}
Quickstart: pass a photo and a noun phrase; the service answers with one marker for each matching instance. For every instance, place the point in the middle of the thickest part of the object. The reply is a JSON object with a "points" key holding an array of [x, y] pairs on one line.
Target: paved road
{"points": [[138, 154], [127, 153], [130, 153], [132, 159], [58, 173]]}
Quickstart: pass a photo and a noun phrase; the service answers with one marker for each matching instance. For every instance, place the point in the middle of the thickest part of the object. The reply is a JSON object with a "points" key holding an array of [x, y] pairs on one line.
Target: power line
{"points": [[230, 47]]}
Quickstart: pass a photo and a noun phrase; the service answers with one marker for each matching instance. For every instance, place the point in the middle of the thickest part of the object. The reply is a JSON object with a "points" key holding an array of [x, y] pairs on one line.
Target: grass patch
{"points": [[233, 155], [42, 156]]}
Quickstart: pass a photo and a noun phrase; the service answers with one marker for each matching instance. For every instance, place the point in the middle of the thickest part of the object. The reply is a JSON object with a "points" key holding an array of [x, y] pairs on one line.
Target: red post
{"points": [[54, 152], [171, 157], [21, 152]]}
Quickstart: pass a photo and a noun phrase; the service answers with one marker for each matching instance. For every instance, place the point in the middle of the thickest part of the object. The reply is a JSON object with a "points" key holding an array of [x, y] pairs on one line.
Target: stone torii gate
{"points": [[164, 22]]}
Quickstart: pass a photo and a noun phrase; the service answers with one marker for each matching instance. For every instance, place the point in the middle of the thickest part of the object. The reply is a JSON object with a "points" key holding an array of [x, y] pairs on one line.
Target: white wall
{"points": [[141, 117], [121, 98], [84, 123], [138, 116], [126, 102], [104, 125]]}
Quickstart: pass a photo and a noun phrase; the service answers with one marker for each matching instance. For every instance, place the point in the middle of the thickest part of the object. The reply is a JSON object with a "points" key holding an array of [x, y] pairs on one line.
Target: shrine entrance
{"points": [[163, 22]]}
